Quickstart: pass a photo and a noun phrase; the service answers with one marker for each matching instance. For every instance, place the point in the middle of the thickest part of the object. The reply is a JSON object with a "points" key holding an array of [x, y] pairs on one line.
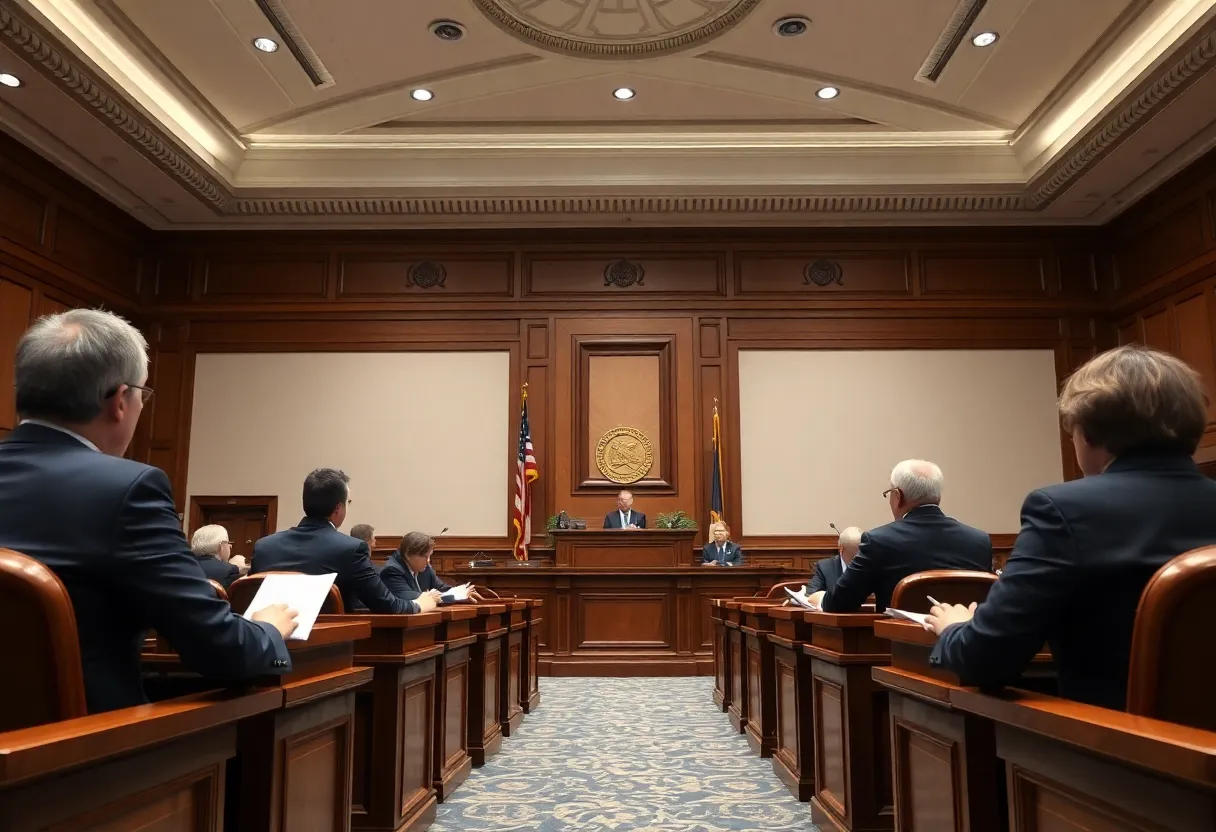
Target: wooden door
{"points": [[246, 518]]}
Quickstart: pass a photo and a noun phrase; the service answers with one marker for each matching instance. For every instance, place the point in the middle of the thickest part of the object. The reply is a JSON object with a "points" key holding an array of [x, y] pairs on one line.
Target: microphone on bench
{"points": [[833, 527]]}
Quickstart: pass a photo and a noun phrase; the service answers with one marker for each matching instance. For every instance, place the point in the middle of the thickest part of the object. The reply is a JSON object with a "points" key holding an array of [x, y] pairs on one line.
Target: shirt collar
{"points": [[62, 429]]}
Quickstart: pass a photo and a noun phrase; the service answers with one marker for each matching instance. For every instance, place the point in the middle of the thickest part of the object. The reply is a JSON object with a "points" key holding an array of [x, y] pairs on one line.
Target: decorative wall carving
{"points": [[427, 275], [624, 455], [823, 273], [624, 273]]}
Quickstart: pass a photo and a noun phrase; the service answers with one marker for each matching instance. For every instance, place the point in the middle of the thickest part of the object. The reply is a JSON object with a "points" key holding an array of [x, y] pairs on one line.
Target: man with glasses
{"points": [[107, 526], [921, 538], [213, 549]]}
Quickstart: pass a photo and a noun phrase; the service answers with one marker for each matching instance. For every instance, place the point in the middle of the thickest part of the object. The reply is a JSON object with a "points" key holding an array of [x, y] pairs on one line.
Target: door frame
{"points": [[198, 504]]}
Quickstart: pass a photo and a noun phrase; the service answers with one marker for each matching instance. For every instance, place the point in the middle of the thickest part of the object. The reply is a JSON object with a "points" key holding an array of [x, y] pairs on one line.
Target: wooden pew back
{"points": [[41, 657], [950, 586], [242, 590], [1172, 646]]}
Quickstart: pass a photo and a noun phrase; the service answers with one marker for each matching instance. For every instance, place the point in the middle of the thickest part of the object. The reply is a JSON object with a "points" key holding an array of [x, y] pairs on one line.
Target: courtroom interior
{"points": [[607, 415]]}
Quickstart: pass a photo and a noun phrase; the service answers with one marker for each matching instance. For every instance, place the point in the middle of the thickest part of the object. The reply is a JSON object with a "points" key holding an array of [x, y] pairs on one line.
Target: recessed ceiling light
{"points": [[985, 39], [265, 45], [623, 94], [422, 95], [9, 80], [791, 27], [447, 30], [827, 93]]}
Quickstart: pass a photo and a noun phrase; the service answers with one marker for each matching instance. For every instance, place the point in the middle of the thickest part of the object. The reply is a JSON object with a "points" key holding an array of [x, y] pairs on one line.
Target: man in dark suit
{"points": [[316, 547], [408, 573], [829, 570], [624, 517], [720, 551], [107, 526], [213, 549], [1087, 548], [921, 538]]}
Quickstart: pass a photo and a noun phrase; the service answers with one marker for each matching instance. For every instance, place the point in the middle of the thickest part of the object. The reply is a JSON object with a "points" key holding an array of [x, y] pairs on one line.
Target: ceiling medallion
{"points": [[624, 455], [616, 28], [823, 273], [622, 273], [427, 275]]}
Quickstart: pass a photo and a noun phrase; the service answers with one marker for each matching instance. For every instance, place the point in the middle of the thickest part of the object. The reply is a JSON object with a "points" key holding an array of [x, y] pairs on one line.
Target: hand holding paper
{"points": [[303, 593], [458, 593], [800, 599]]}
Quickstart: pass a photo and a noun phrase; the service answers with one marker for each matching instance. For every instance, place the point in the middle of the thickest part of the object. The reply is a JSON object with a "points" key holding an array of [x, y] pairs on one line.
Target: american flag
{"points": [[525, 472]]}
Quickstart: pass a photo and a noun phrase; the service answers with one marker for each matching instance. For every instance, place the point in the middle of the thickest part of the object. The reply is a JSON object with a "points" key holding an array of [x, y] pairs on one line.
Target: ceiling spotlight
{"points": [[9, 80], [827, 93], [422, 95], [623, 94], [265, 45], [447, 30], [791, 27], [985, 39]]}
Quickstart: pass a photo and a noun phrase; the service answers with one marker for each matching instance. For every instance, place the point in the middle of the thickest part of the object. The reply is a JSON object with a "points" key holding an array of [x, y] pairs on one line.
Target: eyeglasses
{"points": [[145, 392], [886, 493]]}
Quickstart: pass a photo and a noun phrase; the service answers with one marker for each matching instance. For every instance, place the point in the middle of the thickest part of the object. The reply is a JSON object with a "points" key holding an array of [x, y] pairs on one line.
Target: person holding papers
{"points": [[408, 573], [316, 547], [921, 538], [829, 570], [1087, 548]]}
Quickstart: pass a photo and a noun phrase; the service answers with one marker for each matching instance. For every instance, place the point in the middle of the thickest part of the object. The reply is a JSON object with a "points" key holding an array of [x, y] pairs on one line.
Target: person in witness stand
{"points": [[1087, 548], [624, 517], [720, 551], [213, 549], [408, 573], [316, 547], [921, 537], [107, 526], [828, 571]]}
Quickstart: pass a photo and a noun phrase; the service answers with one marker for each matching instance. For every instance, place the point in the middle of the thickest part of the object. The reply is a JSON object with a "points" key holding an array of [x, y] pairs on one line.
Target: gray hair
{"points": [[850, 538], [207, 540], [919, 481], [69, 363]]}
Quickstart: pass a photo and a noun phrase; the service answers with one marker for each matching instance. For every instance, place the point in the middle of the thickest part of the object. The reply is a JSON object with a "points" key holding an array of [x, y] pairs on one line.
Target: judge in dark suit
{"points": [[624, 517], [213, 549], [1087, 548], [316, 547], [107, 526], [720, 551], [828, 571], [921, 538], [408, 573]]}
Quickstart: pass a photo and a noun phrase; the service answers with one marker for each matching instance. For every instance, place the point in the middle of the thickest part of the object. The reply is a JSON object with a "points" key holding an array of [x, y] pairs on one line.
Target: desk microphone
{"points": [[445, 528], [833, 526]]}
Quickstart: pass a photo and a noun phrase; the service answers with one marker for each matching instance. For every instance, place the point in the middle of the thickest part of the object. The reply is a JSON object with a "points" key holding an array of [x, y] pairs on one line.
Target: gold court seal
{"points": [[624, 455]]}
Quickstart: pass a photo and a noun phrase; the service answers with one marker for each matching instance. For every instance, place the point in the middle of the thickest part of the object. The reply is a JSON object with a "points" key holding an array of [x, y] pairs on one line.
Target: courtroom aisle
{"points": [[624, 754]]}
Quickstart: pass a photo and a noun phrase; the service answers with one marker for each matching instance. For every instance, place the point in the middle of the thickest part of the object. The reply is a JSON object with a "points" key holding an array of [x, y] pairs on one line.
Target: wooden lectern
{"points": [[623, 547]]}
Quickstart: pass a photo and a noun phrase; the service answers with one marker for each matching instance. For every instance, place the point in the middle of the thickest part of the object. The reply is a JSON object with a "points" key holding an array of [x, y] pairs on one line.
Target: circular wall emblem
{"points": [[427, 275], [616, 28], [623, 455], [823, 273], [623, 273]]}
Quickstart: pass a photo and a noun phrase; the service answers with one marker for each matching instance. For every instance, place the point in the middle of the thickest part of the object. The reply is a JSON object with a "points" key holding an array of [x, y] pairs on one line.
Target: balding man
{"points": [[624, 517], [829, 570], [921, 538], [107, 526]]}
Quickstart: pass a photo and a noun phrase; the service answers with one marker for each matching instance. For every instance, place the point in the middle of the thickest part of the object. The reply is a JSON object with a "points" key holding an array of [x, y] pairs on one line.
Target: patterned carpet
{"points": [[624, 754]]}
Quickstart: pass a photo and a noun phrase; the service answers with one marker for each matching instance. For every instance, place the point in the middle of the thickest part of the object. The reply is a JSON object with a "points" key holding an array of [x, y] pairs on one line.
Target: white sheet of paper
{"points": [[918, 617], [303, 593], [800, 598], [458, 593]]}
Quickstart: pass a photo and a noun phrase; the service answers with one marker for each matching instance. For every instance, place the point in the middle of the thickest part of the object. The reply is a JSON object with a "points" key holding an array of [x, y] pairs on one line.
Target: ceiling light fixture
{"points": [[448, 30], [791, 27], [9, 80], [422, 95], [265, 45], [985, 39], [623, 94], [827, 93]]}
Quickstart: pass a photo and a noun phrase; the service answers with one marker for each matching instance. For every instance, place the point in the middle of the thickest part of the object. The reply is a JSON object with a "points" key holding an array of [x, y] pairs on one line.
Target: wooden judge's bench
{"points": [[623, 602]]}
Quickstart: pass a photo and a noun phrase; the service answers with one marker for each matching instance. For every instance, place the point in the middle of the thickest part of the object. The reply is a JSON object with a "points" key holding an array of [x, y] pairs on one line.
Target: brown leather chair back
{"points": [[778, 590], [950, 586], [1173, 652], [43, 677], [242, 590], [220, 592]]}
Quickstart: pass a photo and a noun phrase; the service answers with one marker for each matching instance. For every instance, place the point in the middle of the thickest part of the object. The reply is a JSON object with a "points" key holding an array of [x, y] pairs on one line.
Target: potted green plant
{"points": [[675, 520]]}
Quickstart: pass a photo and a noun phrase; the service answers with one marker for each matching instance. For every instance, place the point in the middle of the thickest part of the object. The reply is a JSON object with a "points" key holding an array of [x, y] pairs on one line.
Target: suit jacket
{"points": [[925, 538], [827, 573], [401, 582], [1074, 579], [734, 554], [217, 570], [109, 529], [612, 520], [315, 547]]}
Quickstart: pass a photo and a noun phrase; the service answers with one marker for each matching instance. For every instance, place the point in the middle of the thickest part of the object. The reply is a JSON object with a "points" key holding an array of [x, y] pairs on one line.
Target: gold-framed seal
{"points": [[624, 455]]}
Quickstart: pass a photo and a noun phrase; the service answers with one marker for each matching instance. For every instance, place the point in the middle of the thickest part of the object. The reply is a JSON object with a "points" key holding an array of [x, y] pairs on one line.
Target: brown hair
{"points": [[1136, 398], [416, 543], [364, 532]]}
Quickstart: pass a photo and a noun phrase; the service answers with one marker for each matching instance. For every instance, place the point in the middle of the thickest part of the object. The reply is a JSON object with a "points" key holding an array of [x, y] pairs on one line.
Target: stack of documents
{"points": [[918, 617], [800, 599]]}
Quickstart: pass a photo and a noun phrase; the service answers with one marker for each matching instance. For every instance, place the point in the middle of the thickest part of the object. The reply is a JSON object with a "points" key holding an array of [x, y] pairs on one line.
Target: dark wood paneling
{"points": [[88, 247], [22, 212], [658, 274], [1078, 274], [1157, 330], [16, 303], [364, 276], [282, 277], [859, 274], [1163, 246], [172, 283], [999, 276], [1196, 346], [864, 331]]}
